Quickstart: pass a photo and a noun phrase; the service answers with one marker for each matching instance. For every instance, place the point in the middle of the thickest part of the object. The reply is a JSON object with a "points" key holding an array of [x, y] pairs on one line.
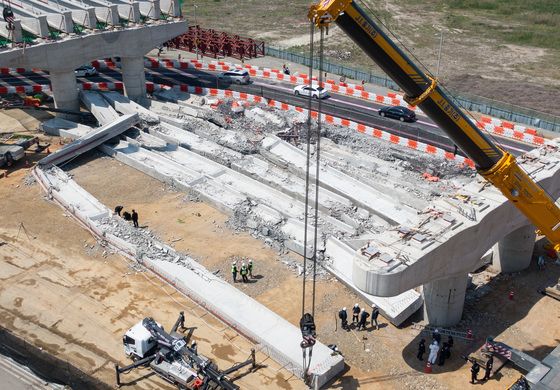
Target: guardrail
{"points": [[480, 104]]}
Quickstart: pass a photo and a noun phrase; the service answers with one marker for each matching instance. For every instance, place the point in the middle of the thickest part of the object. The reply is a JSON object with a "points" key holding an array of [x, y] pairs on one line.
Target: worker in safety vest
{"points": [[234, 271], [244, 273]]}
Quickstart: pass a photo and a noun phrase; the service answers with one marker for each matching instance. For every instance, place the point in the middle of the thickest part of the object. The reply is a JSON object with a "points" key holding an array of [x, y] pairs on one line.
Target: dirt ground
{"points": [[60, 292]]}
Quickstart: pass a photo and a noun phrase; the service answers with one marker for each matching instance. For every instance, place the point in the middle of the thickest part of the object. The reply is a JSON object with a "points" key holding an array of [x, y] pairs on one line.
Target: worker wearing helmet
{"points": [[234, 271], [250, 269], [355, 313], [343, 315], [243, 271]]}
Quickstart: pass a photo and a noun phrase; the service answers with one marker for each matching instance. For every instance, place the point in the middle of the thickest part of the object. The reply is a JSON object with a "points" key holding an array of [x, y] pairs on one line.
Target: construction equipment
{"points": [[492, 162], [169, 356], [13, 146]]}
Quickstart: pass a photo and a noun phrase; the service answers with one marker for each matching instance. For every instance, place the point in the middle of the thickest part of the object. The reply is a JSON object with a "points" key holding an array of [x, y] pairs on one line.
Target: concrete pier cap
{"points": [[451, 239]]}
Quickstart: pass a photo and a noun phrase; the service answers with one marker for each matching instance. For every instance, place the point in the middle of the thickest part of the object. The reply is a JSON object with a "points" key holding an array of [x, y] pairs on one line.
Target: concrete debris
{"points": [[29, 180]]}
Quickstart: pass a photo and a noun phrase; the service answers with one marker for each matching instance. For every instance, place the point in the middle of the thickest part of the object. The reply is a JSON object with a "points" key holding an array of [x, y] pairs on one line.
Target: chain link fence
{"points": [[45, 365], [480, 104]]}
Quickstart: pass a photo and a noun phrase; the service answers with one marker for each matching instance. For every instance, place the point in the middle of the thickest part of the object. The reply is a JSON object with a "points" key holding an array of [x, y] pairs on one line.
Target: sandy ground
{"points": [[60, 292]]}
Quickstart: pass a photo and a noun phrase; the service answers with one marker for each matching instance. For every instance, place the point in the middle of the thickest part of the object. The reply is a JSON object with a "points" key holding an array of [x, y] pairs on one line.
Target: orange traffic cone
{"points": [[510, 295], [48, 151], [428, 368]]}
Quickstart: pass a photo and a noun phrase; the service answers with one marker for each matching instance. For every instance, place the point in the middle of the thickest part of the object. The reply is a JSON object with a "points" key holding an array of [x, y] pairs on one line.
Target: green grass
{"points": [[527, 23]]}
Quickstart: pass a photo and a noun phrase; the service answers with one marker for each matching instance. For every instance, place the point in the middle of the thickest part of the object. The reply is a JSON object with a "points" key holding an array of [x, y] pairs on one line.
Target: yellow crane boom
{"points": [[493, 163]]}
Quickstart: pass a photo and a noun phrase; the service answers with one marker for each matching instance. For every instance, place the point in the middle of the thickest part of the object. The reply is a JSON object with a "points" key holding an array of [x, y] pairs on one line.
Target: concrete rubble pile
{"points": [[376, 208], [238, 164]]}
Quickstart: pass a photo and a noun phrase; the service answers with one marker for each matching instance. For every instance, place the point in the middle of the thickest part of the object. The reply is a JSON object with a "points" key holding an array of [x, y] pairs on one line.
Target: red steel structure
{"points": [[212, 43]]}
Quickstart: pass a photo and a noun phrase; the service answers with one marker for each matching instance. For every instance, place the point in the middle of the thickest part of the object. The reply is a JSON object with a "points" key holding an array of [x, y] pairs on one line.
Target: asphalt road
{"points": [[355, 109]]}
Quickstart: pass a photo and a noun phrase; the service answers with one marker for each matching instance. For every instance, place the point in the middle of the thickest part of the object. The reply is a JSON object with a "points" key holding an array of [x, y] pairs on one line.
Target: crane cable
{"points": [[307, 323]]}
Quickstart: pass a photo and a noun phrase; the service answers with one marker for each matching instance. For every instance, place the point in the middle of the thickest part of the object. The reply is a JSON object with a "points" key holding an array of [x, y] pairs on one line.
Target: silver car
{"points": [[237, 76], [85, 71]]}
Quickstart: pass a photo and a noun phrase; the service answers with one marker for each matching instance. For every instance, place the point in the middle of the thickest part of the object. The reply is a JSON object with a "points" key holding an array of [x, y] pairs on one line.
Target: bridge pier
{"points": [[133, 77], [513, 252], [444, 300], [65, 90]]}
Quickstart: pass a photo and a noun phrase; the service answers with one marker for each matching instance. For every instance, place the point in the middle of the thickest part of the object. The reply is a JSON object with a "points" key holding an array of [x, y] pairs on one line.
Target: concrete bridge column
{"points": [[133, 77], [513, 252], [65, 90], [444, 300]]}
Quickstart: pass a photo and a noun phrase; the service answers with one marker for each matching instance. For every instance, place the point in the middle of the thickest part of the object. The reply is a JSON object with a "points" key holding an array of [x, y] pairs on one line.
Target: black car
{"points": [[398, 112]]}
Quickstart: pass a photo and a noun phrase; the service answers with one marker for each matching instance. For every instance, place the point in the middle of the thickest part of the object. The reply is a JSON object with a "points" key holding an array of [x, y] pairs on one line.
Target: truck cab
{"points": [[138, 342]]}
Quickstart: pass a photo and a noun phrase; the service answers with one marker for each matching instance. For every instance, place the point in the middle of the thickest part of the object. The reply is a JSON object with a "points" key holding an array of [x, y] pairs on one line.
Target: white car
{"points": [[313, 91], [238, 76], [85, 71]]}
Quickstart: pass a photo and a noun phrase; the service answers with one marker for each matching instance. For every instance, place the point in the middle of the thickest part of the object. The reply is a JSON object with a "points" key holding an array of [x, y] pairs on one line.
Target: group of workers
{"points": [[438, 352], [246, 271], [475, 369], [128, 216], [359, 317]]}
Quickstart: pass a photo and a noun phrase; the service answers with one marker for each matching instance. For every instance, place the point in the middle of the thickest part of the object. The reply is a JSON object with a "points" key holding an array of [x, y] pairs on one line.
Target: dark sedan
{"points": [[398, 112]]}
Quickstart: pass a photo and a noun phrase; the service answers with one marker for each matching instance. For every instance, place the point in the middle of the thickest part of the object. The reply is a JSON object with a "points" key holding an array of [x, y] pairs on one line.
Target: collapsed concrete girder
{"points": [[449, 243]]}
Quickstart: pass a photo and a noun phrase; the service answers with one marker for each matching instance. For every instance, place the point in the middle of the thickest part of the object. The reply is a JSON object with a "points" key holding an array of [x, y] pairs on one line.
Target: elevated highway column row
{"points": [[62, 57]]}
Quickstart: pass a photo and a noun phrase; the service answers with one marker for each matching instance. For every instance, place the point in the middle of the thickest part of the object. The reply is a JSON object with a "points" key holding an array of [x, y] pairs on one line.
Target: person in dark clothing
{"points": [[436, 336], [355, 313], [343, 315], [234, 271], [243, 272], [443, 354], [181, 320], [126, 216], [363, 319], [450, 343], [488, 368], [421, 350], [474, 372], [374, 315], [135, 218], [118, 210]]}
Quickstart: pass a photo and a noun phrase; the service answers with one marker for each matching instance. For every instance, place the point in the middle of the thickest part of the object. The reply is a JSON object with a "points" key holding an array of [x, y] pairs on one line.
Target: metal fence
{"points": [[480, 104]]}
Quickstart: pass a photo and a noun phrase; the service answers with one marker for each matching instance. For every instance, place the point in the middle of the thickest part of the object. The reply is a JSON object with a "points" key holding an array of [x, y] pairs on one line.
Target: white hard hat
{"points": [[235, 262], [250, 261], [242, 264], [344, 308], [355, 305]]}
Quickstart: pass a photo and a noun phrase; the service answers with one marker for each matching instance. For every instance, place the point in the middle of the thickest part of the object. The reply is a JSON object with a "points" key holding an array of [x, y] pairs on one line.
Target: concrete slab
{"points": [[65, 128], [124, 105], [284, 154], [99, 107], [90, 140], [396, 309]]}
